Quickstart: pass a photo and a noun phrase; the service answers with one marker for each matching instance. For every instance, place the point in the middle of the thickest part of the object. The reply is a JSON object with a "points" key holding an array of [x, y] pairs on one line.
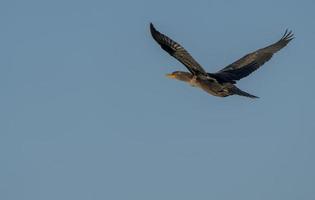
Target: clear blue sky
{"points": [[87, 113]]}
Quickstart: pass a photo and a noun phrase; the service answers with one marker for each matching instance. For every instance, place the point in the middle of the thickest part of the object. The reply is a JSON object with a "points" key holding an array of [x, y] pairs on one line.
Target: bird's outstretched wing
{"points": [[252, 61], [177, 51]]}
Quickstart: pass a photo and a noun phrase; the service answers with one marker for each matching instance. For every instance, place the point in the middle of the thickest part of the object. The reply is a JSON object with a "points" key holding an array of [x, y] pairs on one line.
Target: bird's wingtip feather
{"points": [[152, 28], [288, 35], [151, 25]]}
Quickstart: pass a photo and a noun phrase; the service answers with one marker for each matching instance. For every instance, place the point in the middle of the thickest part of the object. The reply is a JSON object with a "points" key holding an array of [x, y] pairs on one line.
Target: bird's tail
{"points": [[237, 91]]}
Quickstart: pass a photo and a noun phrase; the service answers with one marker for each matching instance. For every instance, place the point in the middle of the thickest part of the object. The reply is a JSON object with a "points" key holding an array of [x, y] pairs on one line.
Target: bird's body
{"points": [[221, 83], [209, 84]]}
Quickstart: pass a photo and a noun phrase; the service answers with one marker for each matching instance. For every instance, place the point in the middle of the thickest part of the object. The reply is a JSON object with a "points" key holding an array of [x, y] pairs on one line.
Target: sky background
{"points": [[86, 111]]}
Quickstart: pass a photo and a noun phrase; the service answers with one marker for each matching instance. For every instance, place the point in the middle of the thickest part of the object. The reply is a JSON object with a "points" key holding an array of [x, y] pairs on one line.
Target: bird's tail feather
{"points": [[240, 92]]}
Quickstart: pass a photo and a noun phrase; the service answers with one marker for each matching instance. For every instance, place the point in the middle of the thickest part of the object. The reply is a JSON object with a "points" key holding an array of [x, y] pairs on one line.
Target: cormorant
{"points": [[222, 82]]}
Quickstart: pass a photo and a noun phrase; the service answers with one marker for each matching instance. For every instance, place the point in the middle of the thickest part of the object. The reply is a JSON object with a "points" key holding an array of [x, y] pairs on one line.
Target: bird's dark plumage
{"points": [[252, 61], [177, 51], [222, 82]]}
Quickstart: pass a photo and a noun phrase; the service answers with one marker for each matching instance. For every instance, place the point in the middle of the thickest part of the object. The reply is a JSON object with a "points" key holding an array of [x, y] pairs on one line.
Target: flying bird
{"points": [[221, 83]]}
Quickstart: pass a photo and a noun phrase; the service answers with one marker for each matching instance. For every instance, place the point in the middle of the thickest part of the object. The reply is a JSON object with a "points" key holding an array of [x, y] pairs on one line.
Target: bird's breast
{"points": [[194, 82]]}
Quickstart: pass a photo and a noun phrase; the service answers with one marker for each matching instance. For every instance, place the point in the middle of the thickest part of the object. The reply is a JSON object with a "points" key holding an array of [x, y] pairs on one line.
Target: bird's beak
{"points": [[170, 75]]}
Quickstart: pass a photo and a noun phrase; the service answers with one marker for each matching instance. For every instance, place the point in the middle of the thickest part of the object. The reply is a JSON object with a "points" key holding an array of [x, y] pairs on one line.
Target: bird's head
{"points": [[182, 76]]}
